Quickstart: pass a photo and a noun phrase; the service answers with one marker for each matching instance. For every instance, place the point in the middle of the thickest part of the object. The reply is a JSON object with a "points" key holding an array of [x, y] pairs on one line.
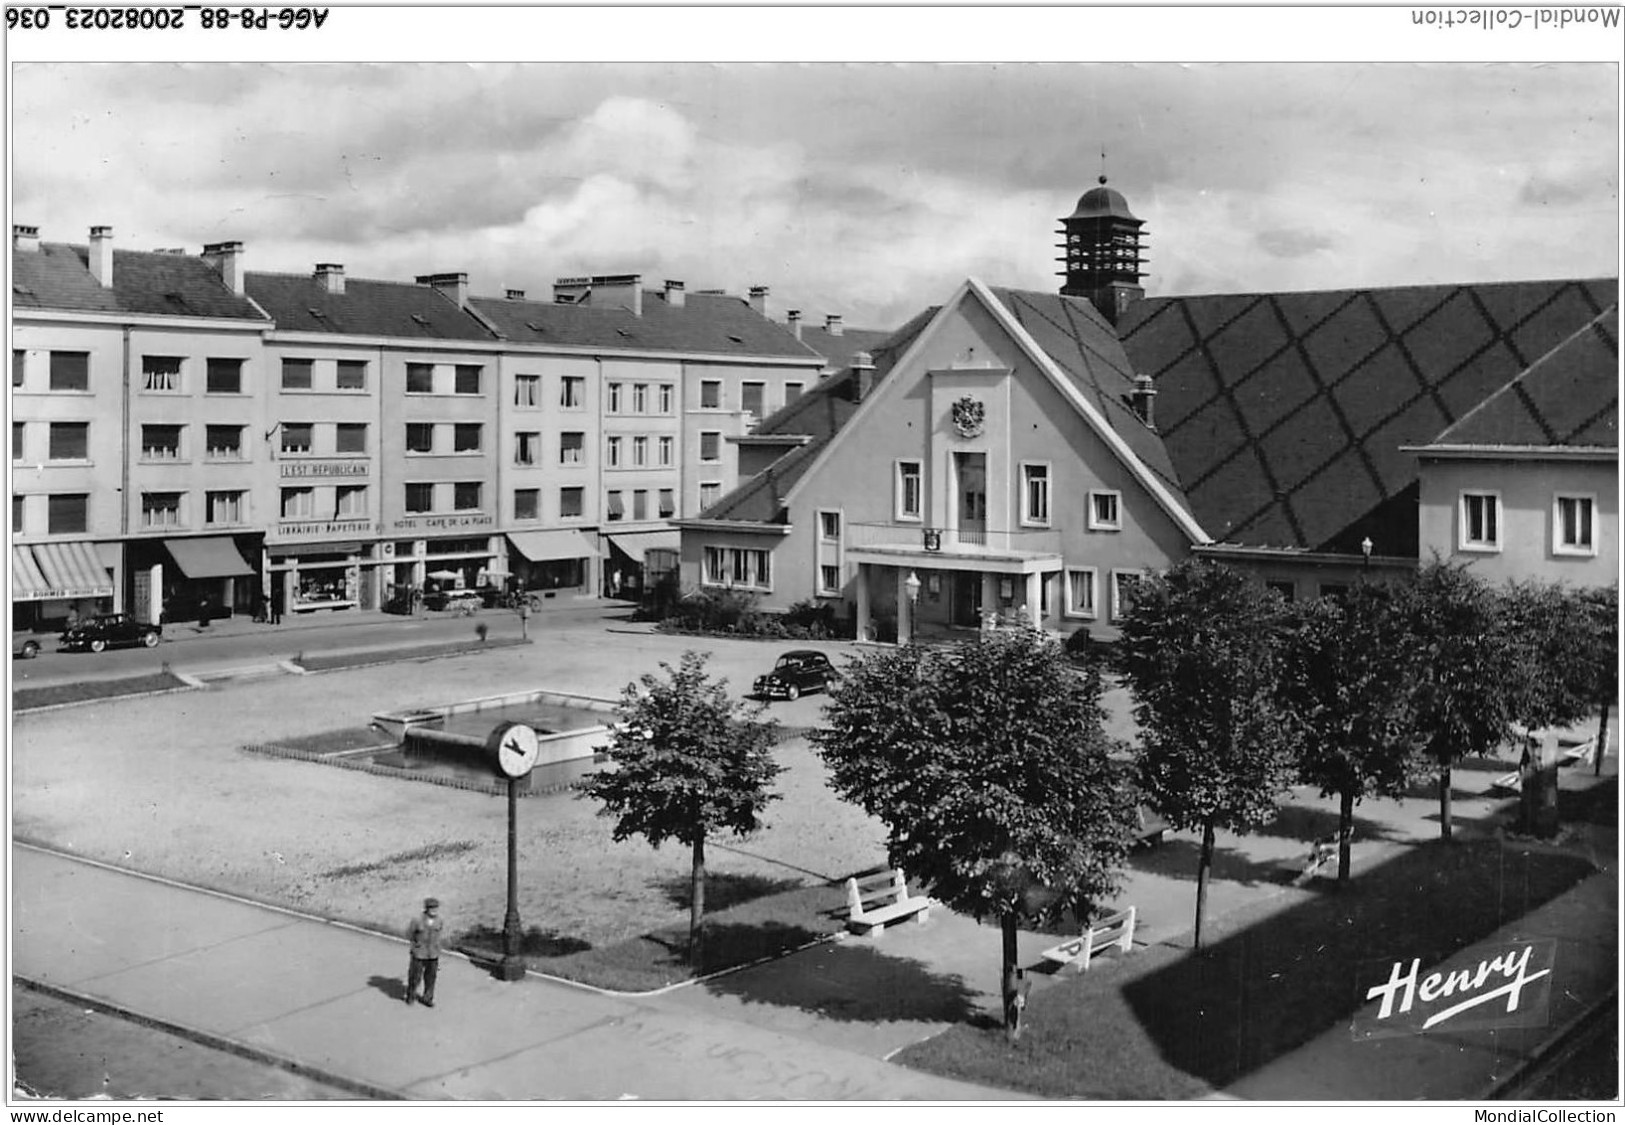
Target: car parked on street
{"points": [[24, 647], [800, 671], [109, 630]]}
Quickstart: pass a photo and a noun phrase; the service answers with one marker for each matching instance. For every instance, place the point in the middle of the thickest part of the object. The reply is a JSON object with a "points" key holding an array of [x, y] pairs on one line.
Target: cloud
{"points": [[868, 190], [1292, 243]]}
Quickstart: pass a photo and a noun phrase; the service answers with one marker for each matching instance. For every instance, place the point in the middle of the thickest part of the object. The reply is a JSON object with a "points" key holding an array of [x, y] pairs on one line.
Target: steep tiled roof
{"points": [[1084, 346], [57, 276], [1567, 399], [1284, 413], [839, 350], [706, 324], [820, 414], [299, 303]]}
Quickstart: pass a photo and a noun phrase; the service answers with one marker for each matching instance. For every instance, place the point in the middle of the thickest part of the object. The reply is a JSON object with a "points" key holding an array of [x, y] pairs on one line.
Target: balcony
{"points": [[952, 548]]}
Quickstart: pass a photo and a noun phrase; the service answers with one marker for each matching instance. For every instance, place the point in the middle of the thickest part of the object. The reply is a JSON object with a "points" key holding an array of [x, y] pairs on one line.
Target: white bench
{"points": [[1114, 930], [874, 900], [1322, 854]]}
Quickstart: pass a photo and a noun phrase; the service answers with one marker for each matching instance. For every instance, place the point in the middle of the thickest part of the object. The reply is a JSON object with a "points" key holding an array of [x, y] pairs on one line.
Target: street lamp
{"points": [[1365, 549], [912, 585]]}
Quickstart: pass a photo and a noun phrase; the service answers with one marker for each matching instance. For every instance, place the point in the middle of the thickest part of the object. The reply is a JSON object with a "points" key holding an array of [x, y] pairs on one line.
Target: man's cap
{"points": [[428, 902]]}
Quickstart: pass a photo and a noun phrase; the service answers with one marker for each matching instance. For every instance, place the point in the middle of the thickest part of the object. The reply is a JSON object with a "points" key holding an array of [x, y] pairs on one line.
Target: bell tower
{"points": [[1101, 245]]}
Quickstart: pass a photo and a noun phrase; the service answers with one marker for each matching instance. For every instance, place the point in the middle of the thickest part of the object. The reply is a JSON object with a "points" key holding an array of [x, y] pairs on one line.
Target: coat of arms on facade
{"points": [[969, 416]]}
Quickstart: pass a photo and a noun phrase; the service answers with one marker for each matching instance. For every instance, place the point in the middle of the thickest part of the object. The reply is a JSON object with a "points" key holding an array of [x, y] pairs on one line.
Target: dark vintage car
{"points": [[109, 630], [24, 647], [796, 672]]}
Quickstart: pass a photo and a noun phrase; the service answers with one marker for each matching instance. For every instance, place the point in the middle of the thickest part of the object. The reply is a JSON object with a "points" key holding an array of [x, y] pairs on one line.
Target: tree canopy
{"points": [[689, 762], [1347, 680], [1201, 648], [987, 762]]}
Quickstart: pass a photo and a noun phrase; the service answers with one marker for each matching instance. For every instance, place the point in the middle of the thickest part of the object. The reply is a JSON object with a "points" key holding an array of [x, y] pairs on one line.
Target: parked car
{"points": [[796, 672], [24, 647], [110, 629], [464, 601]]}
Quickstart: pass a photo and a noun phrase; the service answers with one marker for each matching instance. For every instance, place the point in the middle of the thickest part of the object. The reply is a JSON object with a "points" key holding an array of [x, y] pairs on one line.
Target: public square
{"points": [[160, 785]]}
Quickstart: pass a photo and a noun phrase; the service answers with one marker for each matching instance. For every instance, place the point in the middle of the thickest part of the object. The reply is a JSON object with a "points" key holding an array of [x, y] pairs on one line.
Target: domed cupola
{"points": [[1101, 242]]}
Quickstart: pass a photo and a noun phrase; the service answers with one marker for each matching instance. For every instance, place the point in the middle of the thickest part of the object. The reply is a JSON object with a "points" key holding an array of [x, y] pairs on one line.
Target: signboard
{"points": [[325, 468], [323, 529], [437, 522]]}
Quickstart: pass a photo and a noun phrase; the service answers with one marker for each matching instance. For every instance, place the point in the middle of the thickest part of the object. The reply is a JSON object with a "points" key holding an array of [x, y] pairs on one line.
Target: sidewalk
{"points": [[326, 1000]]}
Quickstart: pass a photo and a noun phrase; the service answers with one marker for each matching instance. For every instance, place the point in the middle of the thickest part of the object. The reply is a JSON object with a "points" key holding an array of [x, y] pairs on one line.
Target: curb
{"points": [[217, 1042], [1551, 1046]]}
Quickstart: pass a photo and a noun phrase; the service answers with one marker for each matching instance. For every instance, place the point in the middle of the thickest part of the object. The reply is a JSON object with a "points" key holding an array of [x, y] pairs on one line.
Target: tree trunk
{"points": [[696, 902], [1202, 866], [1345, 833], [1016, 985], [1602, 741], [1444, 801]]}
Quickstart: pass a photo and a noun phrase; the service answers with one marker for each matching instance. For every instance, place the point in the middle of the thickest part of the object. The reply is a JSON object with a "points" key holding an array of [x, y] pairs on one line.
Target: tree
{"points": [[1466, 686], [987, 762], [1602, 658], [1200, 649], [689, 762], [1347, 678]]}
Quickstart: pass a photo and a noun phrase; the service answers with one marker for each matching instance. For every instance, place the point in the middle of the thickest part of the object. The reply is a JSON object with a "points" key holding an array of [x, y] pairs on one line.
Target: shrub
{"points": [[738, 613]]}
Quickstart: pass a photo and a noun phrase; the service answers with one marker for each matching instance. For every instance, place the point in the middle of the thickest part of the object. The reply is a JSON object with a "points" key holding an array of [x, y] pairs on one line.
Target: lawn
{"points": [[1168, 1023], [330, 662], [33, 698]]}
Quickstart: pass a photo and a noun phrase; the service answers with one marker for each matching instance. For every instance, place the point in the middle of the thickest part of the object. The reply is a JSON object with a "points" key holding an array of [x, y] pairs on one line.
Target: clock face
{"points": [[516, 747]]}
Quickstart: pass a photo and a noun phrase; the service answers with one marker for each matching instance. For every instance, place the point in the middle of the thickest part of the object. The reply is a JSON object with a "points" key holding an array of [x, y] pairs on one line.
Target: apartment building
{"points": [[190, 434], [134, 424]]}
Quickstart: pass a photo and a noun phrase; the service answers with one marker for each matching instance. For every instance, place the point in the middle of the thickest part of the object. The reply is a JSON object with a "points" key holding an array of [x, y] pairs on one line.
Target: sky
{"points": [[870, 190]]}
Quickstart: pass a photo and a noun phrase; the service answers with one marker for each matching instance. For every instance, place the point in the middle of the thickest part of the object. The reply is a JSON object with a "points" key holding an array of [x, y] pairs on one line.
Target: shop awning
{"points": [[58, 570], [547, 546], [285, 550], [207, 558], [635, 543]]}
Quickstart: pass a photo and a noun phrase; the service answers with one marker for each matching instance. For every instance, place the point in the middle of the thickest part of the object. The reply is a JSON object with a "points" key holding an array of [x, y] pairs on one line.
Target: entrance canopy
{"points": [[208, 558], [547, 546], [58, 570], [633, 544]]}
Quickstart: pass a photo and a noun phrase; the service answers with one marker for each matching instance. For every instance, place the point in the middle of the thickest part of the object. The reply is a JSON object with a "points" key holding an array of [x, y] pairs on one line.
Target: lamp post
{"points": [[1365, 549], [912, 585]]}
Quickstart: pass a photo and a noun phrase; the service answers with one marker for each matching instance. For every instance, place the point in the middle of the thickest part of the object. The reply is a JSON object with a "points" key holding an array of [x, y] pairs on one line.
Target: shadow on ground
{"points": [[485, 943], [1167, 1023], [849, 981], [392, 987], [723, 890]]}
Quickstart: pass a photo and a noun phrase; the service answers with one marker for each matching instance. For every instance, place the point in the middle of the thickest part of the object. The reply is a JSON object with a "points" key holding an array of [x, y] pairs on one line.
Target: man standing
{"points": [[424, 934]]}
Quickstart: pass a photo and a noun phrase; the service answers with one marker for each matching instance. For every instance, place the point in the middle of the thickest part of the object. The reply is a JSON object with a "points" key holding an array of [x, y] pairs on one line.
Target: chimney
{"points": [[453, 285], [832, 324], [101, 256], [330, 276], [227, 259], [24, 238], [758, 299], [793, 319], [1143, 399], [674, 294], [863, 376], [516, 294]]}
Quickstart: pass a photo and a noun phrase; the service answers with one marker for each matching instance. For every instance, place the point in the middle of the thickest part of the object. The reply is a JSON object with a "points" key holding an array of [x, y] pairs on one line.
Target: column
{"points": [[905, 611], [990, 598], [863, 601], [1035, 600]]}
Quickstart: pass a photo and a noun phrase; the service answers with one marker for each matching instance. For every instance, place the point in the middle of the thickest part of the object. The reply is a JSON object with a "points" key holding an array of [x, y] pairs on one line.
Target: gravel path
{"points": [[160, 785]]}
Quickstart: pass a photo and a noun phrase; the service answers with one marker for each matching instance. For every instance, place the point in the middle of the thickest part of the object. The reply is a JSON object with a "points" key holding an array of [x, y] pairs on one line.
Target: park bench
{"points": [[874, 900], [1113, 930], [1322, 859]]}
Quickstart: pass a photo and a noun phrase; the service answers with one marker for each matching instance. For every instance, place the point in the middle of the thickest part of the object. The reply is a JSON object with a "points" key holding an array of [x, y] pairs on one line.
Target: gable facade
{"points": [[969, 483]]}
